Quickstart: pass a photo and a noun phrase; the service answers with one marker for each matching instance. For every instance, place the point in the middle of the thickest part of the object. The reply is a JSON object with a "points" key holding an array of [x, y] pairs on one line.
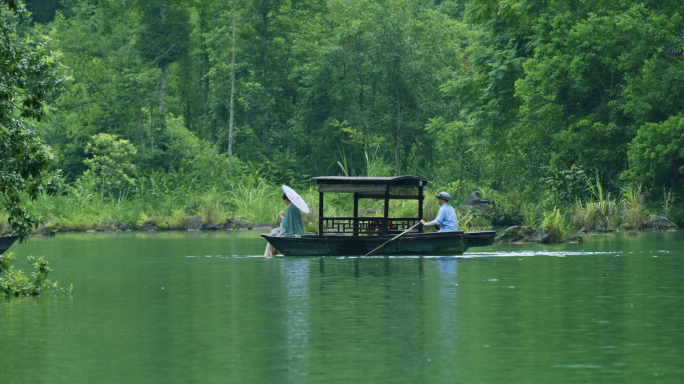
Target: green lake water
{"points": [[198, 308]]}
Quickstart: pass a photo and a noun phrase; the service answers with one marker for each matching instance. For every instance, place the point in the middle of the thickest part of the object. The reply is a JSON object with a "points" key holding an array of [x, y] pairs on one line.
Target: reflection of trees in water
{"points": [[297, 322], [448, 272]]}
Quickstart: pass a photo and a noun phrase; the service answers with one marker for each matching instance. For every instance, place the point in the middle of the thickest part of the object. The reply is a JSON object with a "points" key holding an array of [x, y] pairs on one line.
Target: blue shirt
{"points": [[446, 217]]}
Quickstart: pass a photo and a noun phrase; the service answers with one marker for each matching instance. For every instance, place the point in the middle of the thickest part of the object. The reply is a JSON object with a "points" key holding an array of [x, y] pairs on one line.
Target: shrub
{"points": [[15, 283], [177, 219], [584, 215], [633, 207], [529, 213], [601, 209], [161, 223], [466, 221], [142, 219], [110, 162], [254, 200], [553, 223], [212, 208]]}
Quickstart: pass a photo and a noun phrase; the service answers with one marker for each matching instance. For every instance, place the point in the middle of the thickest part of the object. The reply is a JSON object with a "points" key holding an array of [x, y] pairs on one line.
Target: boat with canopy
{"points": [[357, 236]]}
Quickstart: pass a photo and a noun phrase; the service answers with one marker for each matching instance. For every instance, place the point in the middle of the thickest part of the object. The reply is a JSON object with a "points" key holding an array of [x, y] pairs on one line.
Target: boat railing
{"points": [[366, 226]]}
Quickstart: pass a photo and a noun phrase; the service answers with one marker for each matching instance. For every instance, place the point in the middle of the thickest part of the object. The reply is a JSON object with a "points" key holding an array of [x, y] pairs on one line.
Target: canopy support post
{"points": [[356, 213], [421, 196], [320, 213], [385, 223]]}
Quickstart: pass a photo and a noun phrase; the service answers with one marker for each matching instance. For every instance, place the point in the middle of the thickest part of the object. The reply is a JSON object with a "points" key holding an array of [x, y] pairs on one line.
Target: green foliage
{"points": [[604, 207], [254, 200], [165, 31], [553, 223], [601, 209], [633, 207], [109, 163], [530, 212], [177, 219], [43, 11], [566, 186], [213, 208], [485, 94], [160, 223], [656, 155], [142, 219], [668, 200], [584, 215], [16, 283], [28, 73]]}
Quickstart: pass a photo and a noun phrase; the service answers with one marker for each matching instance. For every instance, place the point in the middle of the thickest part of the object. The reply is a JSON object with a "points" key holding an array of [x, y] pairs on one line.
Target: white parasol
{"points": [[296, 199]]}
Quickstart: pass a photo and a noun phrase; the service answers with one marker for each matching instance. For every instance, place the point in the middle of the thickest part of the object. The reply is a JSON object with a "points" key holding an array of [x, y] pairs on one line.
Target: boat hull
{"points": [[6, 242], [420, 244]]}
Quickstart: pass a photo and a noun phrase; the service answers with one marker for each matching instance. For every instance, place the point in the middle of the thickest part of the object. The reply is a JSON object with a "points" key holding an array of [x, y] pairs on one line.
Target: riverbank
{"points": [[158, 205], [194, 223]]}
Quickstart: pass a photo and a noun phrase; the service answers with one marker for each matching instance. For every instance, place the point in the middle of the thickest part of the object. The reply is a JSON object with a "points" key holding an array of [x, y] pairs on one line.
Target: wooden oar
{"points": [[392, 239]]}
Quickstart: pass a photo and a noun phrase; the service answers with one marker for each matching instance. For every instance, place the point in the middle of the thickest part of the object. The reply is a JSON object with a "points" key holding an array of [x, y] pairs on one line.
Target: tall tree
{"points": [[232, 95], [164, 38], [28, 73]]}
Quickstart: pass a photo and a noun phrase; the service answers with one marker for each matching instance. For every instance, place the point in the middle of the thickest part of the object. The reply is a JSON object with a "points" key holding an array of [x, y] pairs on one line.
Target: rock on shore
{"points": [[488, 209], [112, 225], [525, 234], [475, 202], [193, 223], [659, 222]]}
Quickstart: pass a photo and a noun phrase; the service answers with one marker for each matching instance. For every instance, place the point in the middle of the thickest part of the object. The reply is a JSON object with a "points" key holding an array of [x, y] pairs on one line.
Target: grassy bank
{"points": [[171, 200], [171, 203]]}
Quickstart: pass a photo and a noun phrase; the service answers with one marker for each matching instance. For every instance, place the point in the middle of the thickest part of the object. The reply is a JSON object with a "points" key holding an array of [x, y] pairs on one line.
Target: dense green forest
{"points": [[546, 102]]}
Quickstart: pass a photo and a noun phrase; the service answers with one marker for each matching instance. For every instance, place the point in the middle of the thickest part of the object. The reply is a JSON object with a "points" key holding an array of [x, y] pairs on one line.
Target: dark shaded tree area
{"points": [[43, 11], [500, 94]]}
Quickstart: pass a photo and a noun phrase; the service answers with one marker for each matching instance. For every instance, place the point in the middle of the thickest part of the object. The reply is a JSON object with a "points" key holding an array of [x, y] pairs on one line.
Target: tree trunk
{"points": [[162, 95], [125, 33], [140, 132], [232, 103], [397, 145], [264, 18], [152, 129], [463, 151], [495, 184]]}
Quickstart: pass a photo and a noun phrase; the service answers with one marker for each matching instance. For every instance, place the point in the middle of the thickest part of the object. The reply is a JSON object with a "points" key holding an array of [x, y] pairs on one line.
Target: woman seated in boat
{"points": [[446, 217], [291, 225]]}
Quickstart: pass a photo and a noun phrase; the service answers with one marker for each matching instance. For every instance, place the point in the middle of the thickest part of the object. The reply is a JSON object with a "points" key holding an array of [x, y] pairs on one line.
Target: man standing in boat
{"points": [[446, 217]]}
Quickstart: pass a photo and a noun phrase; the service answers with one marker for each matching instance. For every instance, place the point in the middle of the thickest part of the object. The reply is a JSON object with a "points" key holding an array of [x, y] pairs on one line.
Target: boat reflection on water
{"points": [[297, 319], [448, 323]]}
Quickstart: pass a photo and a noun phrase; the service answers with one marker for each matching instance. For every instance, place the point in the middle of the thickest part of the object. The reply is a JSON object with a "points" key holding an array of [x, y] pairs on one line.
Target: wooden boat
{"points": [[6, 242], [357, 236]]}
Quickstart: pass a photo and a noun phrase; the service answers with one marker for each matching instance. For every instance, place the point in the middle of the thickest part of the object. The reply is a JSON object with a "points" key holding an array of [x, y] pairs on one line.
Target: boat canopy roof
{"points": [[381, 188], [406, 180]]}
